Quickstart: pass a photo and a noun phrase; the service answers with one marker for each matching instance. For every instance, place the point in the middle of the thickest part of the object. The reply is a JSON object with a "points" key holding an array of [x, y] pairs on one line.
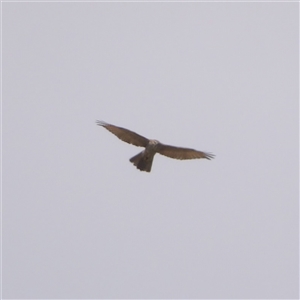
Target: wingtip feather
{"points": [[101, 123], [209, 155]]}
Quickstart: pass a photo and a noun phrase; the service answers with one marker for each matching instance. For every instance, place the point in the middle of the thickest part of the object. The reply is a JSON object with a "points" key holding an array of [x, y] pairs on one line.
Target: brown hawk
{"points": [[143, 160]]}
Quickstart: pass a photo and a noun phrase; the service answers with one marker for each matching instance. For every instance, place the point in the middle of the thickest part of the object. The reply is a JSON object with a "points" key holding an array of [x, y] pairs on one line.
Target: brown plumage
{"points": [[143, 160]]}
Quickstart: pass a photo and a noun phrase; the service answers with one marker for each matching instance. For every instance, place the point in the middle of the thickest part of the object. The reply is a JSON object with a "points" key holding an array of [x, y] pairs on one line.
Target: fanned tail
{"points": [[142, 162]]}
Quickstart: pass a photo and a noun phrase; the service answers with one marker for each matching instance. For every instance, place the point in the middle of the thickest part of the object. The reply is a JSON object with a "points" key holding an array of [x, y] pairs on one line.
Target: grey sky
{"points": [[80, 221]]}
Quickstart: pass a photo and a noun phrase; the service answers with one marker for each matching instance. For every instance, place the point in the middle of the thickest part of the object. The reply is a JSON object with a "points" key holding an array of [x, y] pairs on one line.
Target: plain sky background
{"points": [[80, 221]]}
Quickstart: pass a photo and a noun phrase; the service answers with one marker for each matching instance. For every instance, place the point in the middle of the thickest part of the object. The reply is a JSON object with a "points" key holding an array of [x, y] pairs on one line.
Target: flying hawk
{"points": [[143, 160]]}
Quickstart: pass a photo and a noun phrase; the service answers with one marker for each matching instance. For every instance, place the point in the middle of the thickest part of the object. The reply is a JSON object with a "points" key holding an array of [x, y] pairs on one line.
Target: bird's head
{"points": [[153, 142]]}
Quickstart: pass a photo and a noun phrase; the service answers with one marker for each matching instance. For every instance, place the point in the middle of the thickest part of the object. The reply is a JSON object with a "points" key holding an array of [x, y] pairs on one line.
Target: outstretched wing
{"points": [[125, 135], [182, 153]]}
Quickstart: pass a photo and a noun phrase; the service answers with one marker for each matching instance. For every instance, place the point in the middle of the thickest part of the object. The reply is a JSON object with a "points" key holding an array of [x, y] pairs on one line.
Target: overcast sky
{"points": [[80, 221]]}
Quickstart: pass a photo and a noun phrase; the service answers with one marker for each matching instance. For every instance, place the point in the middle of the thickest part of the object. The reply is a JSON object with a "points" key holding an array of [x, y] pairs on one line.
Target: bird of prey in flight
{"points": [[143, 160]]}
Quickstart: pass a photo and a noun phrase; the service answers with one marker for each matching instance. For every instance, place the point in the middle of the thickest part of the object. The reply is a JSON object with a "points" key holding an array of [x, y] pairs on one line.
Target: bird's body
{"points": [[143, 160]]}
